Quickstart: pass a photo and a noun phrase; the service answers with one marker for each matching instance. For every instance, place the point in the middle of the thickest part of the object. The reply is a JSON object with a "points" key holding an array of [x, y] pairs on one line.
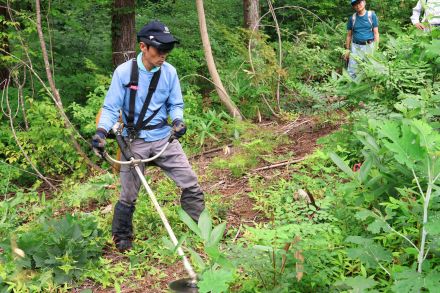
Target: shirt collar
{"points": [[141, 65]]}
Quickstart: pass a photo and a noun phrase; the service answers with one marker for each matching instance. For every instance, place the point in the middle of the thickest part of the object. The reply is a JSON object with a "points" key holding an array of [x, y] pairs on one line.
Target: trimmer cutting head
{"points": [[186, 285]]}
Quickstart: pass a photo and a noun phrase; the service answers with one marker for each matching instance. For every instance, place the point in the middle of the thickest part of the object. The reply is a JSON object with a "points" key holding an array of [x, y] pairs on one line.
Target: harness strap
{"points": [[156, 126], [151, 89], [133, 85], [133, 128]]}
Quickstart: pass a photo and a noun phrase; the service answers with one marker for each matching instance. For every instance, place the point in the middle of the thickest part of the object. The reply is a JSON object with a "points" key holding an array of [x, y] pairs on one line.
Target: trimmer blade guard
{"points": [[183, 286]]}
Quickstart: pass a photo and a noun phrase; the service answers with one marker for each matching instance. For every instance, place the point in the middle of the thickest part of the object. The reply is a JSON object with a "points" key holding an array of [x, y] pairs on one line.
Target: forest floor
{"points": [[302, 141]]}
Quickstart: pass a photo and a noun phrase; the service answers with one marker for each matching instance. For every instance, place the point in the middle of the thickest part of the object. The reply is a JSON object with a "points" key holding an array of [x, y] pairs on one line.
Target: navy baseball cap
{"points": [[354, 2], [156, 31]]}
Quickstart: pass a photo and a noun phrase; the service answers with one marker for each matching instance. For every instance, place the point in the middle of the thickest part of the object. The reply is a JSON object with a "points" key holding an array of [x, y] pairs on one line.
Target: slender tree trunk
{"points": [[251, 13], [224, 97], [280, 51], [4, 45], [123, 31], [11, 123], [56, 95]]}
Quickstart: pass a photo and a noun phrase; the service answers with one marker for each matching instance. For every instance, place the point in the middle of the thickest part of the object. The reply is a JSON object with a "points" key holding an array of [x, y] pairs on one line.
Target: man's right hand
{"points": [[346, 55], [98, 141], [419, 26]]}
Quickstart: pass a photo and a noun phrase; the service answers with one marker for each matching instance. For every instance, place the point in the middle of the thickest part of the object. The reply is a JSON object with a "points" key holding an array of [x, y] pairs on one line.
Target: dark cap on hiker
{"points": [[354, 2], [156, 31]]}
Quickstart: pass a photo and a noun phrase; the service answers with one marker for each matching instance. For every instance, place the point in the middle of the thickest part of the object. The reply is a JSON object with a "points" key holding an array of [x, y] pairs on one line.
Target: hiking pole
{"points": [[186, 285]]}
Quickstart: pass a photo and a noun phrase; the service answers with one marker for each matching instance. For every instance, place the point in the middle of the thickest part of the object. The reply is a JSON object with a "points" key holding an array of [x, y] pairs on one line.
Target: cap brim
{"points": [[166, 38]]}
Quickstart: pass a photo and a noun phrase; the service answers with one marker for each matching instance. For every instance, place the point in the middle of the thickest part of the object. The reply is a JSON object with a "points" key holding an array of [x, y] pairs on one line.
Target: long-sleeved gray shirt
{"points": [[431, 9]]}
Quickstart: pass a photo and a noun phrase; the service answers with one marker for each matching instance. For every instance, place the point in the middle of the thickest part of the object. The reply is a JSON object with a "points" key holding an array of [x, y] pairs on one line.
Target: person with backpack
{"points": [[146, 90], [431, 17], [362, 35]]}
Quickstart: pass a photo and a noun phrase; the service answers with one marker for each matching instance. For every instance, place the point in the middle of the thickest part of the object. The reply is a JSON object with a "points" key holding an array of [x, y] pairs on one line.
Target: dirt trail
{"points": [[302, 141]]}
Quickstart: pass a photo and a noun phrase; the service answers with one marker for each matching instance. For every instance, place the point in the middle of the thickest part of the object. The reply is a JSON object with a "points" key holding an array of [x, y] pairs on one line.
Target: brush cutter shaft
{"points": [[186, 263], [135, 163]]}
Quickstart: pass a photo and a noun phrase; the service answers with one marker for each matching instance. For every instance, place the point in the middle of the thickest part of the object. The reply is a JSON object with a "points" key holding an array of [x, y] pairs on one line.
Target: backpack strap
{"points": [[370, 18]]}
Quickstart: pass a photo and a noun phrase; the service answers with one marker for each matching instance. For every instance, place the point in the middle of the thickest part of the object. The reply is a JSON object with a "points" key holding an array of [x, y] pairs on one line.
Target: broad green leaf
{"points": [[216, 235], [365, 170], [432, 281], [378, 225], [263, 248], [364, 214], [403, 143], [428, 138], [215, 281], [197, 259], [368, 252], [433, 225], [368, 141], [360, 284], [341, 164], [407, 281], [359, 240], [189, 222], [167, 242], [179, 243], [433, 49], [212, 251], [205, 225]]}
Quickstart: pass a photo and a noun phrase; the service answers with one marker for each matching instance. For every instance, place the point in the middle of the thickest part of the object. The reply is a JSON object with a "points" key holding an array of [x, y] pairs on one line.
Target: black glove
{"points": [[179, 129], [98, 141]]}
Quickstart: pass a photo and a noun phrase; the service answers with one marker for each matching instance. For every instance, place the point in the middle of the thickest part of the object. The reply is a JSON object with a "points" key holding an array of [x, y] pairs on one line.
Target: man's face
{"points": [[359, 6], [152, 55]]}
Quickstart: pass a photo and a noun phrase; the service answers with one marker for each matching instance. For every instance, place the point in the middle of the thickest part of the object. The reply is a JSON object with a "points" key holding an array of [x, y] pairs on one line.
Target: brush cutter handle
{"points": [[134, 161], [127, 152]]}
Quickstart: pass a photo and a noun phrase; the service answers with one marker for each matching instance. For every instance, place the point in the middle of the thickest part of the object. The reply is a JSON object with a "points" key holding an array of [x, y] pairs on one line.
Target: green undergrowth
{"points": [[249, 149], [301, 247]]}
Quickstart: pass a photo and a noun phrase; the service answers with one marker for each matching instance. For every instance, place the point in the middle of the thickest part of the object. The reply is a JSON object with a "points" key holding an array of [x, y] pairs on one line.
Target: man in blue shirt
{"points": [[362, 35], [155, 43]]}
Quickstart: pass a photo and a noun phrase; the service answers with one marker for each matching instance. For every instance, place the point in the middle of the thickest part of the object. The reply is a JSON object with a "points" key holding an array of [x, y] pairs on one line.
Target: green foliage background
{"points": [[350, 242]]}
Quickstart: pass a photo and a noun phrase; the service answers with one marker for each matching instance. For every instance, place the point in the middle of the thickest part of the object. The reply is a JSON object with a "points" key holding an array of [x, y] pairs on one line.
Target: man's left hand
{"points": [[179, 128]]}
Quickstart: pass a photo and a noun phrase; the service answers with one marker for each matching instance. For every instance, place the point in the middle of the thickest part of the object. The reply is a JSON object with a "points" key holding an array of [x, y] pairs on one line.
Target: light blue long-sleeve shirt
{"points": [[167, 97]]}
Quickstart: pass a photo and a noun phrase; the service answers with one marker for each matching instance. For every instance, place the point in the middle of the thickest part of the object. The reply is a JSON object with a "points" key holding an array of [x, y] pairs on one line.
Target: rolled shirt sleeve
{"points": [[417, 11], [375, 20], [350, 23]]}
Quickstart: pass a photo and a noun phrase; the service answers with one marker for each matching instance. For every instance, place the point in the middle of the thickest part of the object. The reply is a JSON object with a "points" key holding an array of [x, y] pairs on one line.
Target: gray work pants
{"points": [[174, 163]]}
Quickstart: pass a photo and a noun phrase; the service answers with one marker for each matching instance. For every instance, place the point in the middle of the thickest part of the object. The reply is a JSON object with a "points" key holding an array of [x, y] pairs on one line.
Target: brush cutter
{"points": [[183, 285]]}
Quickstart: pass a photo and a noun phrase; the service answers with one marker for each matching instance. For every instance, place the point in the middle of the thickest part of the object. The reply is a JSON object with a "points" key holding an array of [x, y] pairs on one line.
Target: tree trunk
{"points": [[4, 45], [251, 13], [123, 31], [56, 95], [224, 97]]}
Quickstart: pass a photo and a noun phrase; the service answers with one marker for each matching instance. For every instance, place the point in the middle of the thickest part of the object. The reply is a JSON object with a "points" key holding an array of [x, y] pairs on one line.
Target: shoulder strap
{"points": [[370, 17], [151, 89], [133, 85], [353, 20]]}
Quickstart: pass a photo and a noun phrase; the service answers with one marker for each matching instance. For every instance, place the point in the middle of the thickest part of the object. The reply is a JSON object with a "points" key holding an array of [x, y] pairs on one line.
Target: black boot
{"points": [[122, 226]]}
